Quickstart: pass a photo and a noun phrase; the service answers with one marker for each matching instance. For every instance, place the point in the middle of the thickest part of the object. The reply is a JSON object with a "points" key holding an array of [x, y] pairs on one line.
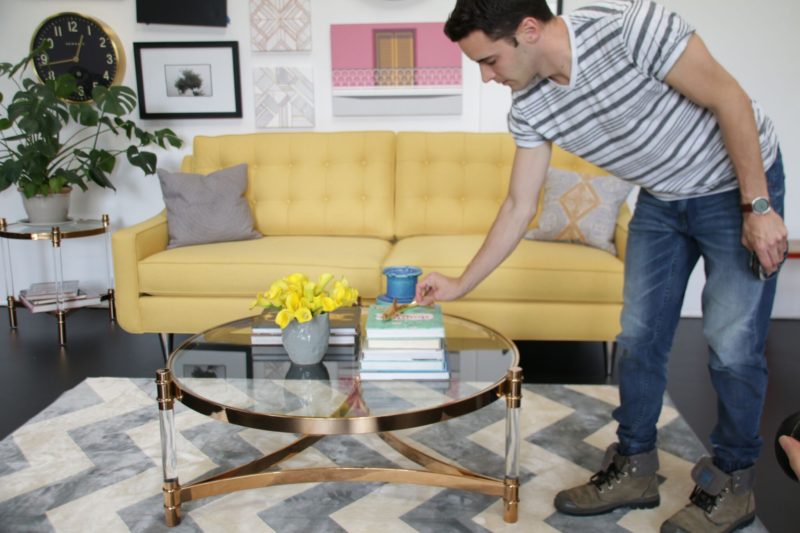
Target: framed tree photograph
{"points": [[188, 79]]}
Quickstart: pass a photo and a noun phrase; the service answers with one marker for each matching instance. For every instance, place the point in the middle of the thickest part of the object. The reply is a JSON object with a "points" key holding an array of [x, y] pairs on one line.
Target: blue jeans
{"points": [[666, 240]]}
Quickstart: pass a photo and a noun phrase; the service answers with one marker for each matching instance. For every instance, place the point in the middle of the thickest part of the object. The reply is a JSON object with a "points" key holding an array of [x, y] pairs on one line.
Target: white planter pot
{"points": [[47, 209]]}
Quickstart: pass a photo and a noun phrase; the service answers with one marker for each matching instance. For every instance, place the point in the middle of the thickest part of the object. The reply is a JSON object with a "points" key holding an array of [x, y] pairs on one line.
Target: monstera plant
{"points": [[49, 144]]}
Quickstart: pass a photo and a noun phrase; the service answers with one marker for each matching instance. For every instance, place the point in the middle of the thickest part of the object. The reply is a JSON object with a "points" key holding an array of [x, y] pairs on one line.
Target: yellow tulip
{"points": [[283, 318], [303, 315], [323, 280]]}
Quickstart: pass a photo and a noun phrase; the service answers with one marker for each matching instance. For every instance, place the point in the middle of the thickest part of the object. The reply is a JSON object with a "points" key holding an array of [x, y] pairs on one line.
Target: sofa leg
{"points": [[609, 356], [167, 342]]}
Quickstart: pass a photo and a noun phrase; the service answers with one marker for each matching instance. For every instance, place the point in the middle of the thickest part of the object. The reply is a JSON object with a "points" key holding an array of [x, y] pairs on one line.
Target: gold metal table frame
{"points": [[257, 473]]}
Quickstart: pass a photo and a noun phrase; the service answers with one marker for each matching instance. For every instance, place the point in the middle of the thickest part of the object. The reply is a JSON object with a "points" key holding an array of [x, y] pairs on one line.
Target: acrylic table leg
{"points": [[169, 455], [511, 481]]}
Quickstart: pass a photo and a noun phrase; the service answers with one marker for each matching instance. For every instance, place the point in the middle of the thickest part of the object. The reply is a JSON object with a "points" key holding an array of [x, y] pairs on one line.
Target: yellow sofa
{"points": [[351, 203]]}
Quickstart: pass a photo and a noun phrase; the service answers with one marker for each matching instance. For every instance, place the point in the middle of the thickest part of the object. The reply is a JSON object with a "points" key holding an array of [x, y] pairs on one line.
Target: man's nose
{"points": [[487, 73]]}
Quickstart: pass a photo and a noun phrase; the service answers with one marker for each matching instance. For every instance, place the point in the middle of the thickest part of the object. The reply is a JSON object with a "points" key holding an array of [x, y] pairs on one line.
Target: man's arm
{"points": [[516, 212], [699, 77]]}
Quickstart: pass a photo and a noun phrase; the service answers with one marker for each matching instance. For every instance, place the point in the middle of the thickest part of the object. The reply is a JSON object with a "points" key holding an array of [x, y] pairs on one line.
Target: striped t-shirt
{"points": [[618, 112]]}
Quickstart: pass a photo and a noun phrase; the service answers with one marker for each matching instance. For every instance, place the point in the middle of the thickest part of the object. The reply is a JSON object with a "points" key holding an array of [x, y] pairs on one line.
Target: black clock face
{"points": [[80, 46]]}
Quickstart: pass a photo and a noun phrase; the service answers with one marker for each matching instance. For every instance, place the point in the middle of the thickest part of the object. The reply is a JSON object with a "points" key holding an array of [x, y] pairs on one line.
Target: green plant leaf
{"points": [[116, 100], [147, 161]]}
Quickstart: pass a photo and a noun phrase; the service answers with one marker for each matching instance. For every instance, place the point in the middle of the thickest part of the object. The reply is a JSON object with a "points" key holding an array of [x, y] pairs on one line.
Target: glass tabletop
{"points": [[220, 370], [69, 229]]}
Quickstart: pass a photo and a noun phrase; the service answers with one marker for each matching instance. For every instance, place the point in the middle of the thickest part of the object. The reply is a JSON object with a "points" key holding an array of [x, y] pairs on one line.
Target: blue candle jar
{"points": [[401, 284]]}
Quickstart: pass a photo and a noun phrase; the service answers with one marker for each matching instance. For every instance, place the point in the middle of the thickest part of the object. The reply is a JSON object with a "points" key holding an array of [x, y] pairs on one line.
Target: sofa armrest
{"points": [[621, 230], [129, 246]]}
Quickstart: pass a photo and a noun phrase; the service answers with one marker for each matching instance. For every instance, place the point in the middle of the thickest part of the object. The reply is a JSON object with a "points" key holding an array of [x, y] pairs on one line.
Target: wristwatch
{"points": [[759, 206]]}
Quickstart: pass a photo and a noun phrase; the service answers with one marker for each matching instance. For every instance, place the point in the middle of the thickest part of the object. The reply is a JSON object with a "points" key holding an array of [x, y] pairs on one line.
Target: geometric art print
{"points": [[280, 25], [284, 97]]}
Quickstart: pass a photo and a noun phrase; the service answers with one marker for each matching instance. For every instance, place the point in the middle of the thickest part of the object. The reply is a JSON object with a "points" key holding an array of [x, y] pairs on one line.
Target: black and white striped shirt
{"points": [[618, 112]]}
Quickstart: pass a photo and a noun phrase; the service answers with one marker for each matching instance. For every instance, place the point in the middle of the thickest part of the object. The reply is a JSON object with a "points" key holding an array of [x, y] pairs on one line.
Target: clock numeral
{"points": [[50, 42], [88, 29], [106, 76], [109, 59], [81, 92], [102, 42], [72, 26], [57, 32], [51, 75], [43, 59]]}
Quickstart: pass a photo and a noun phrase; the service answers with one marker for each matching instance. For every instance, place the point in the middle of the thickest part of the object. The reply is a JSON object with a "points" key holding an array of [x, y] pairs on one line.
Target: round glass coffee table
{"points": [[219, 373]]}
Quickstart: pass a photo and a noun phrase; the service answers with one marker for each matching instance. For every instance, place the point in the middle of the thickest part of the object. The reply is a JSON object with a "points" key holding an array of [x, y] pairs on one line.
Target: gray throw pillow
{"points": [[205, 209], [580, 209]]}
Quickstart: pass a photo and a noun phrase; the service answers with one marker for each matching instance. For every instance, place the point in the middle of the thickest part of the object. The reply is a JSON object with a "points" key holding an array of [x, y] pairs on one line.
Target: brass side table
{"points": [[56, 233]]}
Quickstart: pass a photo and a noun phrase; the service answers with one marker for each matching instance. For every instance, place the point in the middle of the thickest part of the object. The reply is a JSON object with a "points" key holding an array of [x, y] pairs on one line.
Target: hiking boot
{"points": [[624, 481], [720, 502]]}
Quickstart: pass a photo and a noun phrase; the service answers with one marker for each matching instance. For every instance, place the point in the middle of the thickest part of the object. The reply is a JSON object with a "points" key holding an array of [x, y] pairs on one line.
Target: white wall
{"points": [[754, 44]]}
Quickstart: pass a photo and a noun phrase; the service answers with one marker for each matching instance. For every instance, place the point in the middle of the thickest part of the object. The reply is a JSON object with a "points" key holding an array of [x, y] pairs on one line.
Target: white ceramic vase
{"points": [[307, 343], [47, 209]]}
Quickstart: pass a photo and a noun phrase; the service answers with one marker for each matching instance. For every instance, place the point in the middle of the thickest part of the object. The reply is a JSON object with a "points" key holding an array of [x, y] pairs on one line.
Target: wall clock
{"points": [[82, 46]]}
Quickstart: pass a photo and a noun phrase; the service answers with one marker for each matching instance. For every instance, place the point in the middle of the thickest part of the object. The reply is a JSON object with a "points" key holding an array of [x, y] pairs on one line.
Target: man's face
{"points": [[500, 61]]}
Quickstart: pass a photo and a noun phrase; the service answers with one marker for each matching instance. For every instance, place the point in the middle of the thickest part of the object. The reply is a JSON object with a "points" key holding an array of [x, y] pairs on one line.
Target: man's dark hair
{"points": [[498, 19]]}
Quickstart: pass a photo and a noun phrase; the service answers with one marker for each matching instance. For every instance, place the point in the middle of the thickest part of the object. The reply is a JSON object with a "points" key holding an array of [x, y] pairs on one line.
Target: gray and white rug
{"points": [[91, 462]]}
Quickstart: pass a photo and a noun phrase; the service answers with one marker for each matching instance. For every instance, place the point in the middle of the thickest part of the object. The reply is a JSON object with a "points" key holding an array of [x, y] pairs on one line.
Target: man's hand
{"points": [[792, 448], [766, 235], [437, 287]]}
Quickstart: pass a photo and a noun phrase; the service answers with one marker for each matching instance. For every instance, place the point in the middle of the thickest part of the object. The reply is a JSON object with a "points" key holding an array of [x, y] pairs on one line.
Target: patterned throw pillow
{"points": [[204, 209], [581, 209]]}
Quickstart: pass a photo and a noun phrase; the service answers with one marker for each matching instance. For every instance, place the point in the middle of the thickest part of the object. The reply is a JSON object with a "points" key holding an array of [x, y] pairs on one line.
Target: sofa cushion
{"points": [[536, 271], [207, 208], [580, 208], [245, 268]]}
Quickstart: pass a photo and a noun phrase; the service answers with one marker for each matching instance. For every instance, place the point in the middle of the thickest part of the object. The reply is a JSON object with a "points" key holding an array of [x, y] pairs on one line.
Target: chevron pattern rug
{"points": [[91, 462]]}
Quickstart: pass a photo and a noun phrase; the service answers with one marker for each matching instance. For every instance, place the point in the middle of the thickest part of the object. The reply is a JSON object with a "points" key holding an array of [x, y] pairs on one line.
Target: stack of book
{"points": [[43, 297], [345, 322], [410, 345]]}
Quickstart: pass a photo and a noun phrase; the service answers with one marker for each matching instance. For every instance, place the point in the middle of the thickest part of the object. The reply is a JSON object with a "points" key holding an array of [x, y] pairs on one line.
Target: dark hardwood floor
{"points": [[34, 371]]}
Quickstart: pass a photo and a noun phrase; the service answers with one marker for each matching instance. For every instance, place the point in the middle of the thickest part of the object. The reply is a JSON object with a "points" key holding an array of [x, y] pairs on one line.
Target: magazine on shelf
{"points": [[49, 289], [417, 322], [83, 299]]}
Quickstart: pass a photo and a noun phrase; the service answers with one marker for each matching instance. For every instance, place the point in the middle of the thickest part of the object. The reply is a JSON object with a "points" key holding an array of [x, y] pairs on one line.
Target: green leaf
{"points": [[147, 161]]}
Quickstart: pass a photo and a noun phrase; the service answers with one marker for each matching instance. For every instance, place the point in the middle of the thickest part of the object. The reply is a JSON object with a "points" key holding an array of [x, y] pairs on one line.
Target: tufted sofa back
{"points": [[454, 183], [310, 183]]}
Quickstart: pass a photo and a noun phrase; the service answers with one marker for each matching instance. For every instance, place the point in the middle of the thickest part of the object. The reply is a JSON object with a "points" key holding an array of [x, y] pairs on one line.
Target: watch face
{"points": [[761, 206], [80, 46]]}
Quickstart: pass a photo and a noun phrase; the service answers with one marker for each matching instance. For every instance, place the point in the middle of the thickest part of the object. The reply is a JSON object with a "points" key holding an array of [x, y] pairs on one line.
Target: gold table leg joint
{"points": [[172, 502], [510, 499]]}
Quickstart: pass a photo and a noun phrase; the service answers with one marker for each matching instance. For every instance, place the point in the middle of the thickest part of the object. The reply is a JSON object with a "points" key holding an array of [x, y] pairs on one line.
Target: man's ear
{"points": [[529, 30]]}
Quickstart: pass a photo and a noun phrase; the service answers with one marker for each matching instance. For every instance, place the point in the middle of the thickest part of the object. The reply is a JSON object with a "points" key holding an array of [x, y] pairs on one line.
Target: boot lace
{"points": [[706, 501], [608, 477]]}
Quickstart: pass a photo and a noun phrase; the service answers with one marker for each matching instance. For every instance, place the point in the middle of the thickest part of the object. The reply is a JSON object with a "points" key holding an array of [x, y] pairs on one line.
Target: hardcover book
{"points": [[417, 322], [406, 374]]}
